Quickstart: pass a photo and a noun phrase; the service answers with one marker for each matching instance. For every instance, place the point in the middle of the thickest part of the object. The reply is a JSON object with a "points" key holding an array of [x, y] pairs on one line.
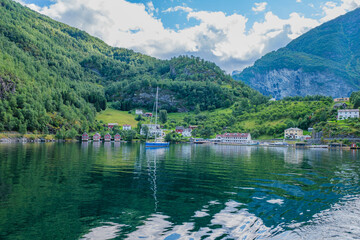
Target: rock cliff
{"points": [[325, 61]]}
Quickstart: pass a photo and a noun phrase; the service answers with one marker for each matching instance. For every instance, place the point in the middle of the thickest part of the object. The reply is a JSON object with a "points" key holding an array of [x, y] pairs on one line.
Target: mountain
{"points": [[325, 60], [54, 76]]}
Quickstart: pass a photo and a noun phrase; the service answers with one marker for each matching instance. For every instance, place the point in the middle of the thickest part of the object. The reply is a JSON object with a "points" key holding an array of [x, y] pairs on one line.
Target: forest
{"points": [[54, 77]]}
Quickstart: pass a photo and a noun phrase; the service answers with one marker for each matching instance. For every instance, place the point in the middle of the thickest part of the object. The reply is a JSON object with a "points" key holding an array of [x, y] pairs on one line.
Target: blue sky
{"points": [[231, 33]]}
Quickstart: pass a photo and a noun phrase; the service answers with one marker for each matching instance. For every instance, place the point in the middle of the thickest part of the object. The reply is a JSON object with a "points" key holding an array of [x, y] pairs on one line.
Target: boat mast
{"points": [[156, 110]]}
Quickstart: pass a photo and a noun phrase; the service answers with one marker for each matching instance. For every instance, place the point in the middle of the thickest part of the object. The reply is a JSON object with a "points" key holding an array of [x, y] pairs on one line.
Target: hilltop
{"points": [[325, 61]]}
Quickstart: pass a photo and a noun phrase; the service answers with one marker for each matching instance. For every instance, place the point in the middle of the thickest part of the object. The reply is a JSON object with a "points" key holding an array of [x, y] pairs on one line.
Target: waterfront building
{"points": [[97, 137], [107, 137], [117, 137], [126, 127], [348, 113], [293, 133], [234, 138], [85, 137]]}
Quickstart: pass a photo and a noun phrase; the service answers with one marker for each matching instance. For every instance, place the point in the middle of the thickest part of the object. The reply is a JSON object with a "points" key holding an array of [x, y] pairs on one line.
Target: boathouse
{"points": [[97, 137], [107, 138], [117, 138], [85, 137]]}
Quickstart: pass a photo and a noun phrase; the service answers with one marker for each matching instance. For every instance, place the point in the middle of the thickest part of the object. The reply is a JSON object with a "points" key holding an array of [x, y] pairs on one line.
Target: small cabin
{"points": [[97, 137], [117, 138], [85, 137], [353, 146], [107, 138], [148, 114]]}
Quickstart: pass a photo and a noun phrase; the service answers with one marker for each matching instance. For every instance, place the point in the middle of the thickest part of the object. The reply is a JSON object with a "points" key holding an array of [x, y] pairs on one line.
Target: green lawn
{"points": [[116, 116]]}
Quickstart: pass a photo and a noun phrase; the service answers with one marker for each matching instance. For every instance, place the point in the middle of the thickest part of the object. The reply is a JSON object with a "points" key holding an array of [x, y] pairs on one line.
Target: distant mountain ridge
{"points": [[325, 60]]}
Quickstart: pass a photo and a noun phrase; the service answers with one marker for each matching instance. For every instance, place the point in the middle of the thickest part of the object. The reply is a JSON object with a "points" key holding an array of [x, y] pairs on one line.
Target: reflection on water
{"points": [[125, 191]]}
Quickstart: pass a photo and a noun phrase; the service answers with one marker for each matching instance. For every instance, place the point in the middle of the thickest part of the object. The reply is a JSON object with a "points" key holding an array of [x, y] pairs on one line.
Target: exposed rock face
{"points": [[323, 61], [167, 100], [284, 82], [6, 87]]}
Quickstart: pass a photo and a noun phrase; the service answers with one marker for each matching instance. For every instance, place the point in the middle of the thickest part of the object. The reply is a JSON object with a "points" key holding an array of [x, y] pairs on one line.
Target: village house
{"points": [[154, 129], [126, 127], [193, 127], [348, 113], [179, 129], [139, 112], [148, 114], [293, 133], [185, 132], [234, 138], [112, 125], [346, 99], [340, 106]]}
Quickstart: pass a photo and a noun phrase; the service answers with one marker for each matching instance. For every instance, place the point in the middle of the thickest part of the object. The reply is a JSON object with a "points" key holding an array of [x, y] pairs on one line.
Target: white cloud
{"points": [[332, 10], [227, 40], [259, 7], [178, 8], [298, 1]]}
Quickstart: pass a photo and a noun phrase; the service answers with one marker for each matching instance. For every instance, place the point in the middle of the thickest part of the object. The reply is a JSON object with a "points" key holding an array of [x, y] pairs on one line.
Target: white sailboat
{"points": [[157, 143]]}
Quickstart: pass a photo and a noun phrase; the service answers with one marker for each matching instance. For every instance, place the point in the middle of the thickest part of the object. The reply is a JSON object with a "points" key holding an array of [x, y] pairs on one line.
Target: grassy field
{"points": [[115, 116]]}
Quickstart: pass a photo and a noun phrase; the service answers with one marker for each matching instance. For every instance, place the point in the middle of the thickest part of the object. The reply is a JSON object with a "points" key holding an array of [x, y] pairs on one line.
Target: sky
{"points": [[231, 33]]}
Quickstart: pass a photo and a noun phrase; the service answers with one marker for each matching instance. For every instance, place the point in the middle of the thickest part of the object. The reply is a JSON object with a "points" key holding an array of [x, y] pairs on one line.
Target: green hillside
{"points": [[54, 76]]}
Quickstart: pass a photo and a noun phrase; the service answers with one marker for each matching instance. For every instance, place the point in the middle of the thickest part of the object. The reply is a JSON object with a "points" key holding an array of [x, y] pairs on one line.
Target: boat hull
{"points": [[157, 144]]}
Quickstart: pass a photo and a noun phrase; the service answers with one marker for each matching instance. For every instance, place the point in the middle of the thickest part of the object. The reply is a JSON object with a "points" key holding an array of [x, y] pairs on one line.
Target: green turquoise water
{"points": [[124, 191]]}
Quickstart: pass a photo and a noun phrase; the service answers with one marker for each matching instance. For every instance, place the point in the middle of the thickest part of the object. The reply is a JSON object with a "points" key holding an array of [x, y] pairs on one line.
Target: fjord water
{"points": [[124, 191]]}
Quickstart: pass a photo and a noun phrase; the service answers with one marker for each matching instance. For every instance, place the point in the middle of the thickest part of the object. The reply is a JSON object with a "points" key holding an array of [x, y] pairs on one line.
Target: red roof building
{"points": [[117, 138], [96, 137], [107, 138], [85, 137]]}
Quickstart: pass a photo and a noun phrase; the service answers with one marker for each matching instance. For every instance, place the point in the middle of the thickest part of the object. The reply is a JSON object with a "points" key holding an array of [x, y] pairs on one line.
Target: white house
{"points": [[187, 132], [153, 129], [234, 138], [126, 127], [348, 113], [139, 112]]}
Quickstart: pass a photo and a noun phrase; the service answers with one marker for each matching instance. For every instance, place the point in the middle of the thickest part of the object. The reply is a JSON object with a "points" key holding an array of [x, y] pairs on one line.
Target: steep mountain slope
{"points": [[54, 76], [325, 60]]}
